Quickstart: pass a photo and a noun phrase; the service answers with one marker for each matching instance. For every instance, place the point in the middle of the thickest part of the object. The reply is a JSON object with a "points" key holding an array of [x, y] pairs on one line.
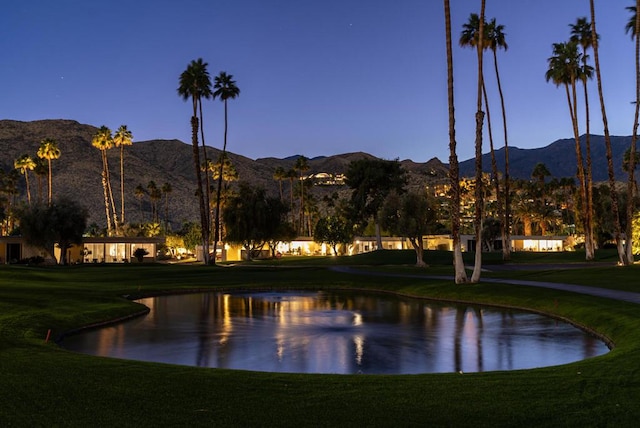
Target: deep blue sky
{"points": [[317, 77]]}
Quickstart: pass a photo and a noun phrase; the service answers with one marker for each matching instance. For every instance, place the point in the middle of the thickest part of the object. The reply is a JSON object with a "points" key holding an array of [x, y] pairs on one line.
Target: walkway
{"points": [[624, 296]]}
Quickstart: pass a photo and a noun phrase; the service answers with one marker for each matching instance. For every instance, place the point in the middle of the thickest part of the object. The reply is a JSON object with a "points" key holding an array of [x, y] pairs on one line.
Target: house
{"points": [[93, 250]]}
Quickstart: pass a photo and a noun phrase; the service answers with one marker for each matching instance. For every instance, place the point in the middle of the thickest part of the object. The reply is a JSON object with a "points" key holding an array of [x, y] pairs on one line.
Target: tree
{"points": [[103, 141], [333, 230], [195, 84], [411, 215], [564, 70], [252, 218], [49, 150], [454, 170], [61, 222], [229, 174], [581, 34], [24, 164], [140, 193], [166, 190], [123, 137], [479, 206], [371, 180], [41, 171], [633, 26], [225, 89], [280, 174], [607, 138], [301, 166], [139, 254], [497, 40]]}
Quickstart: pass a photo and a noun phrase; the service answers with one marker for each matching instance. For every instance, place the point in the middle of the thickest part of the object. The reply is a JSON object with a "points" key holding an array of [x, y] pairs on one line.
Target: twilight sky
{"points": [[317, 77]]}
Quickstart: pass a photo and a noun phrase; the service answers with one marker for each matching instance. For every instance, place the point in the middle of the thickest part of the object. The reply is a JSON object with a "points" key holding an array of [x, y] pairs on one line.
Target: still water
{"points": [[336, 332]]}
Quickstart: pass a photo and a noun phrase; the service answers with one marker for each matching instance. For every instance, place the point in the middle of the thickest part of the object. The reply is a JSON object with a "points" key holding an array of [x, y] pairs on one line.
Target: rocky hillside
{"points": [[77, 172]]}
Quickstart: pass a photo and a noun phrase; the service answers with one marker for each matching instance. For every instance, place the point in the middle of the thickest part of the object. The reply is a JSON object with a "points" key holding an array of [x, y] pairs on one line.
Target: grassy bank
{"points": [[44, 385]]}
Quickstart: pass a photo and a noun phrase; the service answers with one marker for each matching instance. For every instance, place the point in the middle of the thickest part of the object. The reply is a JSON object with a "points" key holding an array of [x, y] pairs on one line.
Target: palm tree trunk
{"points": [[219, 189], [454, 171], [479, 204], [106, 195], [494, 165], [505, 223], [204, 223], [572, 102], [206, 163], [113, 204], [26, 179], [121, 184], [632, 150], [589, 171], [50, 193], [607, 139]]}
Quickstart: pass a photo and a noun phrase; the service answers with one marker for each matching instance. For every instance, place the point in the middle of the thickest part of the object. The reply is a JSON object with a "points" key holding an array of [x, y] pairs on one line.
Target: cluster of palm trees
{"points": [[48, 151], [195, 85], [568, 66], [104, 140], [300, 218]]}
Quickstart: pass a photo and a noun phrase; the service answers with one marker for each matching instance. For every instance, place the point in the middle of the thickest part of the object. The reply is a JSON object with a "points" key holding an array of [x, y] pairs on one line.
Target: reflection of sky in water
{"points": [[337, 332]]}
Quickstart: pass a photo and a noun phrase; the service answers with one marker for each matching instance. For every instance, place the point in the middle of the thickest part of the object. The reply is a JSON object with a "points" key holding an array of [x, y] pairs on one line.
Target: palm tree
{"points": [[195, 84], [633, 27], [49, 150], [25, 163], [229, 174], [166, 189], [496, 39], [291, 175], [41, 172], [479, 208], [565, 69], [140, 193], [122, 137], [302, 165], [225, 89], [581, 34], [607, 139], [103, 141], [280, 174], [454, 171]]}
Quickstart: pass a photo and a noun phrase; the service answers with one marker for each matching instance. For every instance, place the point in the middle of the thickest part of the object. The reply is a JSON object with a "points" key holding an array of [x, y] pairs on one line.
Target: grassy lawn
{"points": [[44, 385]]}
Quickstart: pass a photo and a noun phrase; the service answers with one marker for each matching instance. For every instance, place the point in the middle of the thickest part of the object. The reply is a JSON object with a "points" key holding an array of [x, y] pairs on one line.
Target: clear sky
{"points": [[317, 77]]}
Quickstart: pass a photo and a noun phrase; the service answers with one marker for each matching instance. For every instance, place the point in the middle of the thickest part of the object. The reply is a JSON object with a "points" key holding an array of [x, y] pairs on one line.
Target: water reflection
{"points": [[337, 332]]}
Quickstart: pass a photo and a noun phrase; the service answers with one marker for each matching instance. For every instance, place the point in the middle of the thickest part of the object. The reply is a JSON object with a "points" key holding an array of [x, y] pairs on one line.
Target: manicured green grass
{"points": [[44, 385]]}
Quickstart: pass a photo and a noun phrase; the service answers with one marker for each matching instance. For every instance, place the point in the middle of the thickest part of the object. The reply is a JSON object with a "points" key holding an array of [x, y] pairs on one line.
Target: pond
{"points": [[337, 332]]}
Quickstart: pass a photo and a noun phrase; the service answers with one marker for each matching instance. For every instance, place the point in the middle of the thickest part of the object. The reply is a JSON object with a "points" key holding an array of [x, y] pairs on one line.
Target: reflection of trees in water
{"points": [[468, 331]]}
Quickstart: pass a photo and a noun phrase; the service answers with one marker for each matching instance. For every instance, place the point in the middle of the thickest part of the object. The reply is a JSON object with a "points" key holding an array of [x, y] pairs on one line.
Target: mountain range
{"points": [[77, 173]]}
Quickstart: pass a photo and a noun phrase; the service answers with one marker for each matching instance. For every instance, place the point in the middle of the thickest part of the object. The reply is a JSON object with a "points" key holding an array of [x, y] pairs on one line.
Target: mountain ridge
{"points": [[77, 171]]}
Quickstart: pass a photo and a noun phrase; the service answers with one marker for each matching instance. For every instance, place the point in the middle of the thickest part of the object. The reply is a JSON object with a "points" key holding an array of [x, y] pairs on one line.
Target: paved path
{"points": [[624, 296]]}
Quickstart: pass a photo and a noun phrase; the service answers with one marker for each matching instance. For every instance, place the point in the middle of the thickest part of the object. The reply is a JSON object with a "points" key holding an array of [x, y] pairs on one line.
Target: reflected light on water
{"points": [[337, 332]]}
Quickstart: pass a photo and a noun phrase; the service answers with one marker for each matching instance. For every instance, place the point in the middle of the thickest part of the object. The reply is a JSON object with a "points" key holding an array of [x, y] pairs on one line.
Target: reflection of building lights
{"points": [[359, 342], [227, 324], [357, 319]]}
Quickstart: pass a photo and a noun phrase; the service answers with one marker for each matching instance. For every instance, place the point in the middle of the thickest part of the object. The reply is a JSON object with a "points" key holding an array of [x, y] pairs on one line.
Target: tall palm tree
{"points": [[581, 34], [123, 137], [103, 141], [49, 150], [454, 170], [41, 172], [140, 193], [195, 84], [565, 69], [302, 165], [166, 189], [479, 206], [225, 89], [633, 27], [25, 163], [607, 139], [280, 174], [497, 40]]}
